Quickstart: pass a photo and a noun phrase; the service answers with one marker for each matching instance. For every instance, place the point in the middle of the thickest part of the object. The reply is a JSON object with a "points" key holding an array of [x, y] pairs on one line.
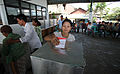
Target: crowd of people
{"points": [[101, 28]]}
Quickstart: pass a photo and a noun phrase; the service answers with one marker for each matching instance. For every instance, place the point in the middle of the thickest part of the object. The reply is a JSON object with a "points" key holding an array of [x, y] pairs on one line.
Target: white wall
{"points": [[1, 1], [38, 2]]}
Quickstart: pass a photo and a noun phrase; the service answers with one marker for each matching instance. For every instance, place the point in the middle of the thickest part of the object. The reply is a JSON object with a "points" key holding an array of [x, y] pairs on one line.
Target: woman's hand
{"points": [[54, 40]]}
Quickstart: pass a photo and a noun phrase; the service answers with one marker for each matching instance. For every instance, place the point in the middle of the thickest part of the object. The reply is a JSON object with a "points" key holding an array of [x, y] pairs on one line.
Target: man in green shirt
{"points": [[13, 53]]}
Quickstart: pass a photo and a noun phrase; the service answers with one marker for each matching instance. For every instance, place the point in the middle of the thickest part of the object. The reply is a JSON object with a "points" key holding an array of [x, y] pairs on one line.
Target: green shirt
{"points": [[39, 32], [14, 51]]}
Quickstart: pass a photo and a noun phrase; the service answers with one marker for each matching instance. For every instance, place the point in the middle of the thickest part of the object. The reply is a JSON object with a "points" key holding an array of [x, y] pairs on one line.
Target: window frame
{"points": [[30, 11], [32, 16], [1, 23], [12, 6]]}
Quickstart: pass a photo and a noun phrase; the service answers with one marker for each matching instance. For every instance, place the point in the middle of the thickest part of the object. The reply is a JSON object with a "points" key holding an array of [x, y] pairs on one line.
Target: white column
{"points": [[90, 13], [3, 13], [90, 17]]}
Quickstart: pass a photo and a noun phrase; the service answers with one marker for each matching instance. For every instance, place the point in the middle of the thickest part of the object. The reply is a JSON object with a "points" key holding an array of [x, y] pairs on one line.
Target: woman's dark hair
{"points": [[67, 20], [22, 17], [6, 29], [36, 21]]}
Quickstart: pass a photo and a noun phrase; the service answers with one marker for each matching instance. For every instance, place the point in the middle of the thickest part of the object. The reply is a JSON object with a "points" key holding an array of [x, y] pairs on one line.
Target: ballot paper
{"points": [[62, 42]]}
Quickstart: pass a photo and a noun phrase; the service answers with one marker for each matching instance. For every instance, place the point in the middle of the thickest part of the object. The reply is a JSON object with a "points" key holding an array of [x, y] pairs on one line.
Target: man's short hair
{"points": [[61, 16], [6, 29], [22, 17]]}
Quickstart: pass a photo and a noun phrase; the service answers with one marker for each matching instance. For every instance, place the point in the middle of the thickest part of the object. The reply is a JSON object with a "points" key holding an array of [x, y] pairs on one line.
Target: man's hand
{"points": [[11, 41]]}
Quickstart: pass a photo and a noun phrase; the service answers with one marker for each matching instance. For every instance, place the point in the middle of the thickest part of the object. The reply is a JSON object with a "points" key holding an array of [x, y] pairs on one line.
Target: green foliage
{"points": [[101, 8], [53, 15], [116, 12], [94, 18], [98, 7], [115, 15], [107, 10]]}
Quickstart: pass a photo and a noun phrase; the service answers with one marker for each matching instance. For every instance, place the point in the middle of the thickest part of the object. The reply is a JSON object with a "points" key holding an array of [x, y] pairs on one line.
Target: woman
{"points": [[66, 27], [64, 34], [37, 25]]}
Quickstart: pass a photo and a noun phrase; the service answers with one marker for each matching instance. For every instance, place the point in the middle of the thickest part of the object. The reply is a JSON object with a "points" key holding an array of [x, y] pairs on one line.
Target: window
{"points": [[25, 5], [33, 11], [39, 13], [12, 3], [26, 10], [12, 13], [0, 20], [15, 7], [44, 13], [12, 9]]}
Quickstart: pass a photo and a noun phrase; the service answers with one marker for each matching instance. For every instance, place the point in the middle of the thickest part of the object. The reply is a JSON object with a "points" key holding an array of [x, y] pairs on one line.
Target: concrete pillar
{"points": [[3, 13], [90, 13]]}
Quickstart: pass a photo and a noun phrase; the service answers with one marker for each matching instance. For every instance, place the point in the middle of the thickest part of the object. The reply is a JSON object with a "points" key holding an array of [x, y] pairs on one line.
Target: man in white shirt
{"points": [[60, 22], [30, 35]]}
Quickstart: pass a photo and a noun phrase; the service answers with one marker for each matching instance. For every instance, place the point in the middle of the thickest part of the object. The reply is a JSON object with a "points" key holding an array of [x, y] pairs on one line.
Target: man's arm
{"points": [[11, 41]]}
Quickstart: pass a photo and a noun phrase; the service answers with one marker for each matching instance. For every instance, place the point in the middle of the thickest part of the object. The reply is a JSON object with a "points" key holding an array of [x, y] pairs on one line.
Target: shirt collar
{"points": [[25, 27]]}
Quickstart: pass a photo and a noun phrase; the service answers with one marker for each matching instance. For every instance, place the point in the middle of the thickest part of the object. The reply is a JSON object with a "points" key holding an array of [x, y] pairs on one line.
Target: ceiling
{"points": [[76, 1]]}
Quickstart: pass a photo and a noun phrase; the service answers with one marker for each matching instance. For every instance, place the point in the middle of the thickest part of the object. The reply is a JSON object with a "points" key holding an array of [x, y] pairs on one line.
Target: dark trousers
{"points": [[78, 29], [101, 31], [114, 34]]}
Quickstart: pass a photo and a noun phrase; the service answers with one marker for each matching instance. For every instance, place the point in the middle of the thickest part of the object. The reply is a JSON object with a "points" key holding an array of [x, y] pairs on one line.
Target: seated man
{"points": [[89, 29], [13, 54], [115, 29], [102, 29]]}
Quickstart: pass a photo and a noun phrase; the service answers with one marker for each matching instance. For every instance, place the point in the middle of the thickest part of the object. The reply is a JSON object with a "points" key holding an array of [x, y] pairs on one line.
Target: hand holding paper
{"points": [[62, 42], [55, 41]]}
